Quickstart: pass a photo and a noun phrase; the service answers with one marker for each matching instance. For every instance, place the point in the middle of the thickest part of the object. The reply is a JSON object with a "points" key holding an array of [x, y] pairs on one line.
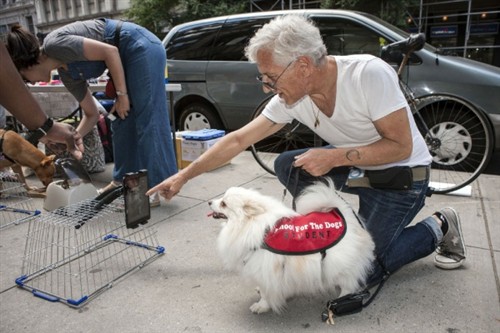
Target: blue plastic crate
{"points": [[204, 134]]}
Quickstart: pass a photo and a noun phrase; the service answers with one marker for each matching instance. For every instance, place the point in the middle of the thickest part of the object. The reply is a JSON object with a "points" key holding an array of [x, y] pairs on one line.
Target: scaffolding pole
{"points": [[259, 5]]}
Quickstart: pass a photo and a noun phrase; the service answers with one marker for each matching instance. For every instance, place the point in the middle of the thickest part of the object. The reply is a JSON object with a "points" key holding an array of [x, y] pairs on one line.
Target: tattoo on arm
{"points": [[351, 154]]}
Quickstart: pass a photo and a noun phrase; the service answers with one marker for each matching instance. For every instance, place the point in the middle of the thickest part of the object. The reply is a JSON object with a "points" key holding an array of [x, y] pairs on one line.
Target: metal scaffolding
{"points": [[264, 5]]}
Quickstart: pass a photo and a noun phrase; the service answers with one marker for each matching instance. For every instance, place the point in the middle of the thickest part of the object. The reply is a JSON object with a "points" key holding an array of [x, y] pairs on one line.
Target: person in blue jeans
{"points": [[353, 103], [135, 59]]}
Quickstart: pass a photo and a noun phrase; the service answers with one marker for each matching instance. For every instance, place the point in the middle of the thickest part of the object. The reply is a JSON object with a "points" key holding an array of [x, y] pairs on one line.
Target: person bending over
{"points": [[136, 60]]}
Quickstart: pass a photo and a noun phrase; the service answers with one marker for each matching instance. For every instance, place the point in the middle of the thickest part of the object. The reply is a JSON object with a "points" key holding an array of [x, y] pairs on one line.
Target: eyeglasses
{"points": [[272, 85]]}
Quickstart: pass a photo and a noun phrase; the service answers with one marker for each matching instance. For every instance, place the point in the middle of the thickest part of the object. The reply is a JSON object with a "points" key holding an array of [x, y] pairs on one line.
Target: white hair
{"points": [[288, 37]]}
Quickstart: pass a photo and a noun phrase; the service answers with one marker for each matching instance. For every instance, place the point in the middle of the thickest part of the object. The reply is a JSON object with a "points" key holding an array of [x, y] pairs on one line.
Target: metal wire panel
{"points": [[74, 253], [15, 204]]}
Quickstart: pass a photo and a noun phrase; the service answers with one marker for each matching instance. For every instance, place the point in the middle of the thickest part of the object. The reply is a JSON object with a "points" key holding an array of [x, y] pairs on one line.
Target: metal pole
{"points": [[420, 16], [467, 29]]}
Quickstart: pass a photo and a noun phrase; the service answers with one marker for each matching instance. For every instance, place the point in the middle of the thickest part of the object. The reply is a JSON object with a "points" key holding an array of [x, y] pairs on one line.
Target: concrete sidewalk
{"points": [[187, 290]]}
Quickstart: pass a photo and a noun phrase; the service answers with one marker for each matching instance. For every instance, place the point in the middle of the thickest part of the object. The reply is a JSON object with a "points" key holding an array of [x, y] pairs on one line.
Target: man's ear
{"points": [[305, 65]]}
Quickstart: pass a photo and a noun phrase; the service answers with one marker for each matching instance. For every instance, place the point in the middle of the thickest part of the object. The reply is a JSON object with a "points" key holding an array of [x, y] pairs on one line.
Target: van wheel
{"points": [[198, 116]]}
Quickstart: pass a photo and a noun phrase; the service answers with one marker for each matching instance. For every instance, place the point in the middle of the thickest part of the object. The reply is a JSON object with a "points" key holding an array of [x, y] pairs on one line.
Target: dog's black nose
{"points": [[210, 202]]}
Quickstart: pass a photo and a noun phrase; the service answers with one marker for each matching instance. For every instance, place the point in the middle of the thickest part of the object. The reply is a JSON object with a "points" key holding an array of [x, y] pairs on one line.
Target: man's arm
{"points": [[18, 100], [224, 150], [15, 96], [396, 144]]}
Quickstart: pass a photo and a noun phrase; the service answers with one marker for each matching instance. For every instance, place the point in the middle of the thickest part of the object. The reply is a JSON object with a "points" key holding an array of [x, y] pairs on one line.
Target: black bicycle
{"points": [[457, 133]]}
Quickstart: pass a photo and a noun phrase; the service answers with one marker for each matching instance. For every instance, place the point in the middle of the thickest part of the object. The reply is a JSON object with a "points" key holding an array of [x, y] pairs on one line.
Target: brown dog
{"points": [[18, 152]]}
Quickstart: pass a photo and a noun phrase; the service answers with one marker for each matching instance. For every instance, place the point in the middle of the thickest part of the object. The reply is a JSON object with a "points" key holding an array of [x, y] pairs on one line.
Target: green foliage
{"points": [[344, 4], [159, 15], [154, 15], [198, 9]]}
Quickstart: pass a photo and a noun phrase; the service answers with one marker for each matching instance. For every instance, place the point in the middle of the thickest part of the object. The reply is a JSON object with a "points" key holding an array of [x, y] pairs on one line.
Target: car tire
{"points": [[198, 116]]}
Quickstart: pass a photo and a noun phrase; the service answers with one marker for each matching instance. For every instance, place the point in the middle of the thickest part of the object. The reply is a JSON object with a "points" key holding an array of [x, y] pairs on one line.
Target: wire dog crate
{"points": [[15, 204], [75, 253]]}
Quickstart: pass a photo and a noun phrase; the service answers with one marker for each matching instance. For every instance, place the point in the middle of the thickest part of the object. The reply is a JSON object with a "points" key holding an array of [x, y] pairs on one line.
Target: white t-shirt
{"points": [[367, 90]]}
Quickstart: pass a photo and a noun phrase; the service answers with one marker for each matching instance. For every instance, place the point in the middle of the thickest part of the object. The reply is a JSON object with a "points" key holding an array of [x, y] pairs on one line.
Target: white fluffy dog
{"points": [[251, 217]]}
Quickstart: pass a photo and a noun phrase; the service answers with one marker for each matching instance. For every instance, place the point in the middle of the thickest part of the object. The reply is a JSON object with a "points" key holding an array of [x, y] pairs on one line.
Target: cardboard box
{"points": [[189, 150], [178, 151]]}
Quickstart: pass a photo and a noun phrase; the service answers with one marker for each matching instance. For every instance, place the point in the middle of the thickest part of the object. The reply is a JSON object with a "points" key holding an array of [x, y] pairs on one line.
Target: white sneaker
{"points": [[451, 251]]}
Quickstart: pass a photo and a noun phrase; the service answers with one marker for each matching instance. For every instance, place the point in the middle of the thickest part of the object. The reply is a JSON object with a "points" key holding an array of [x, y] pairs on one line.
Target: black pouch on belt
{"points": [[395, 178]]}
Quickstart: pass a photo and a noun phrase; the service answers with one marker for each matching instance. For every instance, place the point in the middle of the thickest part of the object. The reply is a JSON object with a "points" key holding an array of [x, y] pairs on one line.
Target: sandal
{"points": [[110, 186], [154, 200]]}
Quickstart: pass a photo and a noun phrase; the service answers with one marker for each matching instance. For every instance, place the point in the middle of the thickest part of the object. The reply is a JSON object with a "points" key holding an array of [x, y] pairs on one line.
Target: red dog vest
{"points": [[306, 234]]}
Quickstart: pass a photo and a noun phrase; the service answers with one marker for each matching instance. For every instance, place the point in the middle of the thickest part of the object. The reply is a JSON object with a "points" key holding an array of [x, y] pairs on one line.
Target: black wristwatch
{"points": [[36, 135]]}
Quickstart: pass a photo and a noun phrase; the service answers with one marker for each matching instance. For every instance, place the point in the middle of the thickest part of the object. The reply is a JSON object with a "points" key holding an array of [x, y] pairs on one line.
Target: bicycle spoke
{"points": [[292, 136], [459, 140]]}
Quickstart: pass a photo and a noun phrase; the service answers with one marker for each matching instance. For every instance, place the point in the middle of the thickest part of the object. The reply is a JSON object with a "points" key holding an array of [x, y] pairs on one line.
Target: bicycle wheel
{"points": [[459, 138], [291, 136]]}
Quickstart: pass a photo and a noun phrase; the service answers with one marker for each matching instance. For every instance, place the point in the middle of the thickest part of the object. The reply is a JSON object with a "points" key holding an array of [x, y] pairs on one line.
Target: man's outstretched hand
{"points": [[169, 187]]}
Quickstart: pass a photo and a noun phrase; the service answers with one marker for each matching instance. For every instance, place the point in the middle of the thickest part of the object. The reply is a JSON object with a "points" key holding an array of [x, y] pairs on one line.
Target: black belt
{"points": [[419, 173]]}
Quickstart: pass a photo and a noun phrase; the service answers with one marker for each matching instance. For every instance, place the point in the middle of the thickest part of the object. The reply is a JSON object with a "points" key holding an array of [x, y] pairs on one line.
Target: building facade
{"points": [[17, 12], [42, 16]]}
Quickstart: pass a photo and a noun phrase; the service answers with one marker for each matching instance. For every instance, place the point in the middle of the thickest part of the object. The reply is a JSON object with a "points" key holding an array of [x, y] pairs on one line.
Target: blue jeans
{"points": [[143, 140], [386, 215]]}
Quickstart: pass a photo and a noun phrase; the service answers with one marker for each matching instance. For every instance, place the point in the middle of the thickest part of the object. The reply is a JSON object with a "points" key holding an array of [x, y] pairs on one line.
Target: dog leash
{"points": [[347, 304], [351, 303], [295, 185]]}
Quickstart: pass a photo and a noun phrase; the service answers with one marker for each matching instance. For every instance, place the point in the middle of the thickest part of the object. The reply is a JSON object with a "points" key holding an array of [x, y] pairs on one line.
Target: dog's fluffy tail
{"points": [[321, 196]]}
